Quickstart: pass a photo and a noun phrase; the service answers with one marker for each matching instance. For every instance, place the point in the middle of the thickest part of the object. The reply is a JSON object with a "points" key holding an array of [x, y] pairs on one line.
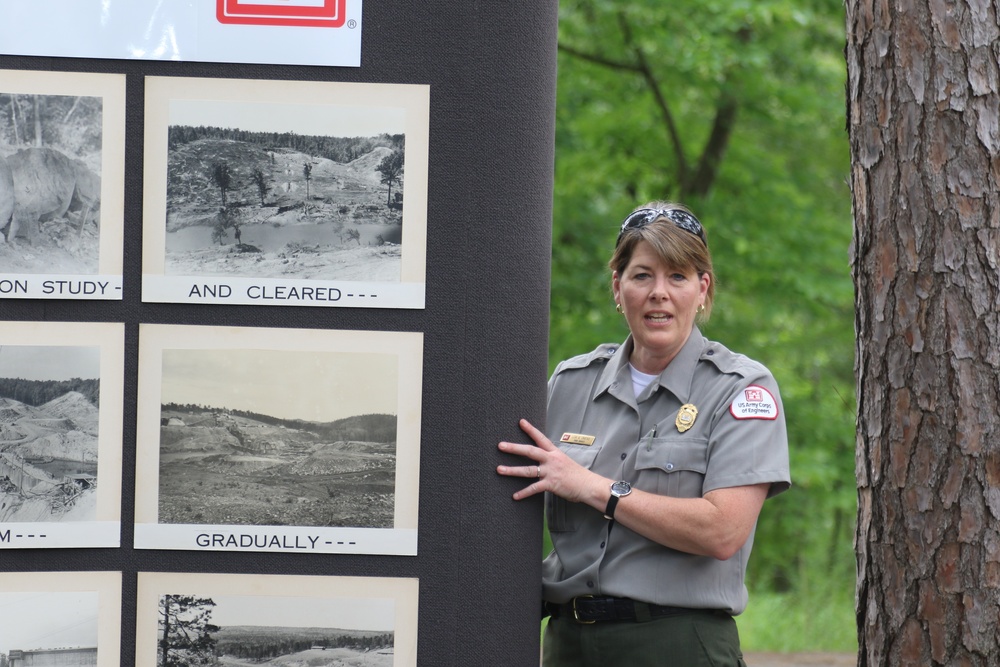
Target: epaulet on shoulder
{"points": [[601, 354], [728, 361]]}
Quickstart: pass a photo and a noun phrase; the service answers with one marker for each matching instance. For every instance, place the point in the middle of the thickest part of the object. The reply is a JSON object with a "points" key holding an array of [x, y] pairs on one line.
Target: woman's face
{"points": [[660, 304]]}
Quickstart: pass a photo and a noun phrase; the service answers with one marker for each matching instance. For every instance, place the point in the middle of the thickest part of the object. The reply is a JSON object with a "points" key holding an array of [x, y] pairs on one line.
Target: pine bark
{"points": [[923, 115]]}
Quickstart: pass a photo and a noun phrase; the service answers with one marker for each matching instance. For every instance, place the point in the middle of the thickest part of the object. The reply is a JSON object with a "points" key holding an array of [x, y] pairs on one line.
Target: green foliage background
{"points": [[735, 108]]}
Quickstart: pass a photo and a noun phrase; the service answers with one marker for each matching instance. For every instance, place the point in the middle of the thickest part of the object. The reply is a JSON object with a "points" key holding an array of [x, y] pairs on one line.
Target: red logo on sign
{"points": [[754, 395], [310, 13]]}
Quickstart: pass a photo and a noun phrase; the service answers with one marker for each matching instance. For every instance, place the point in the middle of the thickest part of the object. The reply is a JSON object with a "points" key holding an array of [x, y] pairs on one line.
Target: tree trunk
{"points": [[13, 119], [38, 120], [165, 639], [923, 122]]}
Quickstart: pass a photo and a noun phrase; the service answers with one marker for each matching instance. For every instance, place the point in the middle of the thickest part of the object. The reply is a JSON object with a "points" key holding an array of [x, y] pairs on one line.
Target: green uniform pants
{"points": [[696, 639]]}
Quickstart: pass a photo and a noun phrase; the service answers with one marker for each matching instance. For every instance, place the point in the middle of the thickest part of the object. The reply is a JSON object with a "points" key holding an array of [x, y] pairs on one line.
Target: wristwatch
{"points": [[618, 490]]}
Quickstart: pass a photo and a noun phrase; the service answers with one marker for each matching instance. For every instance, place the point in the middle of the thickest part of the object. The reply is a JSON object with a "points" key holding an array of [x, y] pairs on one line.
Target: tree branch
{"points": [[654, 85], [690, 184], [597, 59], [715, 148]]}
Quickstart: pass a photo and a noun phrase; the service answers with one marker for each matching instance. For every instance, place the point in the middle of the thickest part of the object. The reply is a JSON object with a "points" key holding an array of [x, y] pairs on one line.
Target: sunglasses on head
{"points": [[644, 216]]}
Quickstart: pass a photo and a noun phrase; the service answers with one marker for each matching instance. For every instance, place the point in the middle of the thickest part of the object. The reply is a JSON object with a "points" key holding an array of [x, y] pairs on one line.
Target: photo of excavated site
{"points": [[49, 398], [277, 437], [282, 205]]}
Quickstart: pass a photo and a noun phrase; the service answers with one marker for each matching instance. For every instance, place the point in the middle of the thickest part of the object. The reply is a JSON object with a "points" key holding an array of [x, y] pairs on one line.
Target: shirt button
{"points": [[711, 352], [624, 456], [590, 584], [602, 545], [670, 466]]}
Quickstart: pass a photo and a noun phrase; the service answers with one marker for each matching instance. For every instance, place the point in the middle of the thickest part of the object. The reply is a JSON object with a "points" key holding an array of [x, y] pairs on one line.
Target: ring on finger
{"points": [[538, 472]]}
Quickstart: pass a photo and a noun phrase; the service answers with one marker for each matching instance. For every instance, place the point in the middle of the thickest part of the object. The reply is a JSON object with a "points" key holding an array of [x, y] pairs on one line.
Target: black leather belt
{"points": [[589, 609]]}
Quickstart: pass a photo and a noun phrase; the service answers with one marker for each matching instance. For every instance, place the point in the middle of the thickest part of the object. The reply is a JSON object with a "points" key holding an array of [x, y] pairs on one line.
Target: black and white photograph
{"points": [[61, 166], [275, 620], [49, 398], [55, 457], [60, 618], [263, 192], [278, 428]]}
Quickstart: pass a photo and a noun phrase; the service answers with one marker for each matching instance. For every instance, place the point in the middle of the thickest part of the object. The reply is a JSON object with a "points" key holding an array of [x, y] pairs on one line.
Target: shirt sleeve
{"points": [[748, 443]]}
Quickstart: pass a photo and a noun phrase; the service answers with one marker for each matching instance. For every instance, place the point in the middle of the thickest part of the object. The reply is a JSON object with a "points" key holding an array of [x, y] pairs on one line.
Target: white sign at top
{"points": [[297, 4], [286, 32]]}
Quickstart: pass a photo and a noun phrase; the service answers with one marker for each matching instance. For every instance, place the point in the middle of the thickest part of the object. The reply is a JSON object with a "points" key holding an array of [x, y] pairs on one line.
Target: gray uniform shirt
{"points": [[738, 438]]}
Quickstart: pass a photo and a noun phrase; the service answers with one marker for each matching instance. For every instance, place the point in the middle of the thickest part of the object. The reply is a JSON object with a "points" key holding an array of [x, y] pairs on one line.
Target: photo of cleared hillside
{"points": [[219, 467], [278, 438]]}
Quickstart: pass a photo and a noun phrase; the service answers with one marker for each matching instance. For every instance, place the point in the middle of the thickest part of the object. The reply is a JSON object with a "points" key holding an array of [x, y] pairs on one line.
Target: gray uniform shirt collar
{"points": [[675, 378]]}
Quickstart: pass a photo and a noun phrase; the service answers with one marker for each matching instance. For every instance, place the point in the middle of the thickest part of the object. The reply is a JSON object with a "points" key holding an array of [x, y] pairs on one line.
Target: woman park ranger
{"points": [[657, 458]]}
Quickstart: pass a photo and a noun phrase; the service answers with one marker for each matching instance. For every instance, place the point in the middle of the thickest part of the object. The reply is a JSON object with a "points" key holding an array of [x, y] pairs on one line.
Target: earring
{"points": [[618, 307], [701, 308]]}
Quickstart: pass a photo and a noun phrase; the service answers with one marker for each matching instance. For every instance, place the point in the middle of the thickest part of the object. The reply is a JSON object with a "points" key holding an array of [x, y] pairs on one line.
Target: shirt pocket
{"points": [[563, 515], [673, 466], [582, 454]]}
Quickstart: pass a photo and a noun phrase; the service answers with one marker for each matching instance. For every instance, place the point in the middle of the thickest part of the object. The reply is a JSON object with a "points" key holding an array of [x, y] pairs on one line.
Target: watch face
{"points": [[621, 488]]}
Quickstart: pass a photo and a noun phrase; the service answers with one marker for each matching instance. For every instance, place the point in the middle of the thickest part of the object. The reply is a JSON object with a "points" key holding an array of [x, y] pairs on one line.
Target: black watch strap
{"points": [[618, 490], [609, 511]]}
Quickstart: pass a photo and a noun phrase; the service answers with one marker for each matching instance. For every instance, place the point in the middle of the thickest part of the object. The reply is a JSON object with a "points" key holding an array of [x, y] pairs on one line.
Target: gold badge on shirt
{"points": [[685, 417], [577, 439]]}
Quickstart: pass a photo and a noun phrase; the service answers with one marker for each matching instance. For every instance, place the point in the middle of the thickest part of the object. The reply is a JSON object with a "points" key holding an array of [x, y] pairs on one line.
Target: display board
{"points": [[262, 325]]}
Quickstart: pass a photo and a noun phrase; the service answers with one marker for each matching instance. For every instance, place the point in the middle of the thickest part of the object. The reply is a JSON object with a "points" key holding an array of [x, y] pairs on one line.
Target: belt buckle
{"points": [[576, 615]]}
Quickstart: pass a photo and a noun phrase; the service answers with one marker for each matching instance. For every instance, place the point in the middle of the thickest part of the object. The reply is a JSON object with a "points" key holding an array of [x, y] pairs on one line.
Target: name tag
{"points": [[577, 439]]}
